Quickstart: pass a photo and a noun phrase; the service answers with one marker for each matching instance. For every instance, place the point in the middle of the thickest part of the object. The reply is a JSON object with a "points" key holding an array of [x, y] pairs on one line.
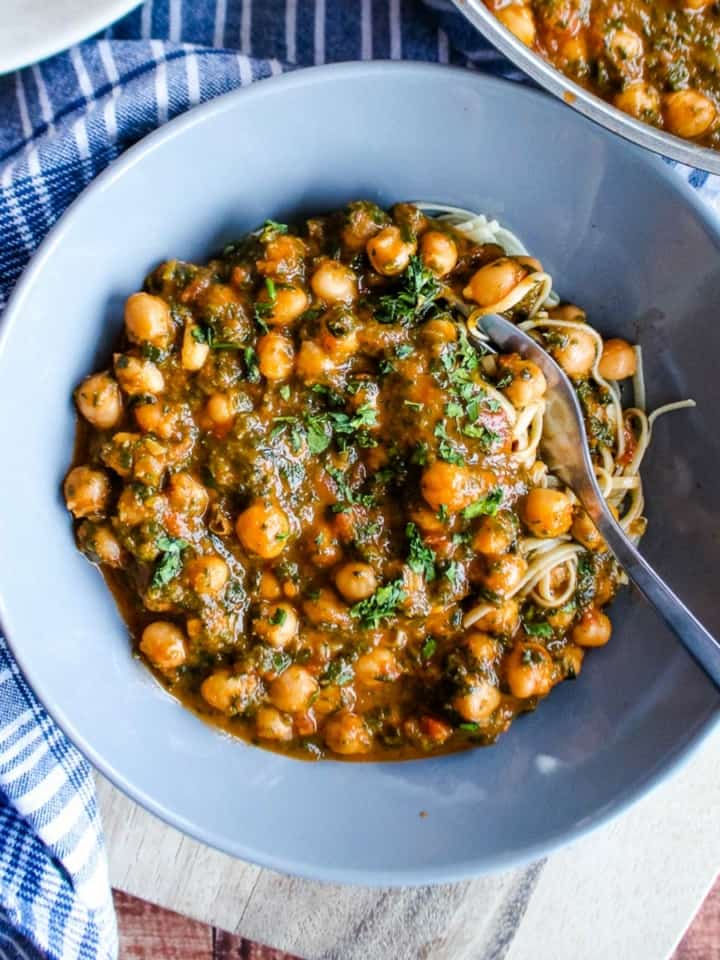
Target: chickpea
{"points": [[356, 581], [147, 320], [688, 113], [478, 700], [149, 464], [575, 353], [284, 255], [618, 360], [494, 281], [625, 45], [157, 418], [574, 49], [293, 689], [333, 282], [572, 660], [323, 547], [483, 648], [530, 263], [326, 609], [522, 381], [331, 698], [640, 100], [501, 620], [520, 21], [495, 535], [279, 627], [449, 484], [427, 520], [585, 532], [439, 252], [276, 356], [135, 508], [100, 544], [269, 586], [230, 693], [163, 643], [263, 529], [207, 575], [363, 221], [339, 334], [289, 302], [390, 252], [187, 495], [439, 331], [568, 311], [377, 667], [137, 376], [195, 350], [313, 364], [547, 513], [270, 724], [347, 734], [99, 400], [87, 492], [593, 629], [503, 574], [220, 410], [529, 671]]}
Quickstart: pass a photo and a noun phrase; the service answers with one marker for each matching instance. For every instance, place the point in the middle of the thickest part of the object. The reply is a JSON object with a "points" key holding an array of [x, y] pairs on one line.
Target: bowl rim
{"points": [[580, 99], [397, 876]]}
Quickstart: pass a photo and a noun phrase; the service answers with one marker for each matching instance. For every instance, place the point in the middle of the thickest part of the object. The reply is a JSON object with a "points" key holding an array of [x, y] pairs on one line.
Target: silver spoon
{"points": [[565, 450]]}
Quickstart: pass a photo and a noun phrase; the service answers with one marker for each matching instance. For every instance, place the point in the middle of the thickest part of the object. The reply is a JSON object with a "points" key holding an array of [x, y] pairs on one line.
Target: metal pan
{"points": [[580, 99]]}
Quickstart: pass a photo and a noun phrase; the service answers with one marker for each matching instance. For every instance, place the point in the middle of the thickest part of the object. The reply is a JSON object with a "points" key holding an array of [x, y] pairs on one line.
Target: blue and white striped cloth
{"points": [[61, 122]]}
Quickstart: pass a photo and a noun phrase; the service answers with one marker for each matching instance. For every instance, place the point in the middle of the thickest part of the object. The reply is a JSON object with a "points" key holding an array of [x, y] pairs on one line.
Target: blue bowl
{"points": [[620, 234]]}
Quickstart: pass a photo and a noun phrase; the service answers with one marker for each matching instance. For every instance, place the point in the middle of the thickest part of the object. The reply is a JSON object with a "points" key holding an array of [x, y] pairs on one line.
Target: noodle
{"points": [[617, 456]]}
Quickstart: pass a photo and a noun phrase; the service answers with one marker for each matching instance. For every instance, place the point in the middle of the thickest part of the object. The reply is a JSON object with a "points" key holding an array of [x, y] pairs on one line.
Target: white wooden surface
{"points": [[627, 891]]}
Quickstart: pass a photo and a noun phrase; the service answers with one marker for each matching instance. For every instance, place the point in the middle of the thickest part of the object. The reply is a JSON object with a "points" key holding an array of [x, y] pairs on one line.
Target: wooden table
{"points": [[628, 890]]}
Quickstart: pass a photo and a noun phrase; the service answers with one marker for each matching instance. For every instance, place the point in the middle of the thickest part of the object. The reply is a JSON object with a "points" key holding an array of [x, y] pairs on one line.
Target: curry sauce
{"points": [[305, 488]]}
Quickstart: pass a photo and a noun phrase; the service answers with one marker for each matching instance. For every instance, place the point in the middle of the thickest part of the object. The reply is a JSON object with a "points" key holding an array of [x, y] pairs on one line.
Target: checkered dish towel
{"points": [[61, 123]]}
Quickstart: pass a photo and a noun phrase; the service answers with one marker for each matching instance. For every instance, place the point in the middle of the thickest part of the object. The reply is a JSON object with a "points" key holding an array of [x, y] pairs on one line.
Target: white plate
{"points": [[31, 30]]}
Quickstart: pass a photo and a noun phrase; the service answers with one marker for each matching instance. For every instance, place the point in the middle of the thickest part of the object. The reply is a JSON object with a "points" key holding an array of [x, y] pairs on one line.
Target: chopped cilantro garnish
{"points": [[487, 506], [252, 370], [540, 629], [428, 648], [452, 572], [418, 290], [421, 557], [446, 451], [284, 391], [271, 229], [381, 605], [338, 672], [170, 562], [279, 617]]}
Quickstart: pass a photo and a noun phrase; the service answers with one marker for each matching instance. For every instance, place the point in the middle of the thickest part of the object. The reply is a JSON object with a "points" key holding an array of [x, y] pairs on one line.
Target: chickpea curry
{"points": [[321, 509], [658, 60]]}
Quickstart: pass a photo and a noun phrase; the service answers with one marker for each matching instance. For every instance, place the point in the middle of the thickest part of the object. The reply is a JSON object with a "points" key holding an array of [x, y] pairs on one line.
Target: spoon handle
{"points": [[688, 629]]}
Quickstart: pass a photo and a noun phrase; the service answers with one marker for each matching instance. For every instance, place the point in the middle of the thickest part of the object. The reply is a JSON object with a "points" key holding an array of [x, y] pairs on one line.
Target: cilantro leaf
{"points": [[421, 558], [540, 629], [487, 506], [170, 562], [381, 605], [339, 672], [428, 648], [418, 290]]}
